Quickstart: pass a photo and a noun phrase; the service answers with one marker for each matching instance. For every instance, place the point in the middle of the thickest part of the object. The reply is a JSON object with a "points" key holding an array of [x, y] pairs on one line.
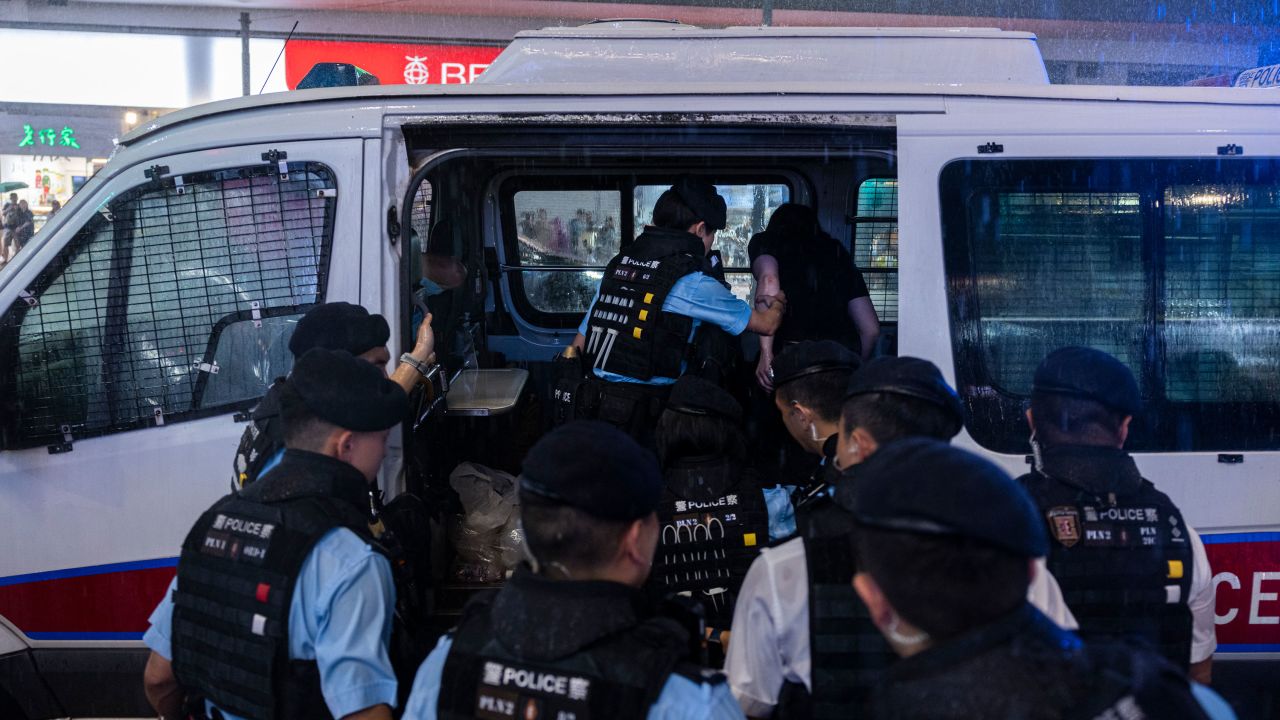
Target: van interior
{"points": [[535, 213]]}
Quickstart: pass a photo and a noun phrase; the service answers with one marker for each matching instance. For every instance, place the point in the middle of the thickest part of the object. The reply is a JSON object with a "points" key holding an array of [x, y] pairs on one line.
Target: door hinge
{"points": [[1231, 149], [393, 224], [990, 149], [277, 158], [65, 446], [156, 172]]}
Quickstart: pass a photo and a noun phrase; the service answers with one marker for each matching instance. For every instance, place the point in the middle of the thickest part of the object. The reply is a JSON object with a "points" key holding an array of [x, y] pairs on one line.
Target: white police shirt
{"points": [[1204, 634], [769, 642]]}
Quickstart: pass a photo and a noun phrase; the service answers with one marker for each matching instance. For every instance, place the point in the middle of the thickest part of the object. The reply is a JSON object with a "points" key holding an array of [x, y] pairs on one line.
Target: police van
{"points": [[995, 217]]}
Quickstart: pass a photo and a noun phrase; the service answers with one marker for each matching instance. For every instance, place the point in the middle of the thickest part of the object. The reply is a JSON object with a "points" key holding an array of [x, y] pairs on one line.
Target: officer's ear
{"points": [[1124, 429], [339, 445], [1031, 421], [878, 606]]}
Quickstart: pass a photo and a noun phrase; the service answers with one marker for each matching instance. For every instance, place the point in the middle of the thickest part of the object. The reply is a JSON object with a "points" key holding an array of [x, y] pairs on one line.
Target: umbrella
{"points": [[11, 186]]}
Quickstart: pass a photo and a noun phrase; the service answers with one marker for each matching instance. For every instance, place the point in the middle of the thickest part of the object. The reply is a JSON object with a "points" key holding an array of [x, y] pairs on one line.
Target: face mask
{"points": [[429, 288], [1037, 460], [902, 638]]}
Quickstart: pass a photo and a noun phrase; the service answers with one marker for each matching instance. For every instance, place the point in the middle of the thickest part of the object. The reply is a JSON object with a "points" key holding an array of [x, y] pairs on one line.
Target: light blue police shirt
{"points": [[698, 296], [340, 616], [681, 698], [782, 514]]}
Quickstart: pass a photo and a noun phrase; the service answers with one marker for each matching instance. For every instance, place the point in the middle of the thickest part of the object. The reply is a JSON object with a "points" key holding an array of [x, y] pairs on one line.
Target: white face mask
{"points": [[1037, 459], [902, 638]]}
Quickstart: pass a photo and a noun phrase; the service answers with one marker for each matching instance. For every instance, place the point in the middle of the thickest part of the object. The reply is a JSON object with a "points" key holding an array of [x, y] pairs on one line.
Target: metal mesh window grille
{"points": [[875, 243], [1173, 266], [1222, 292], [1059, 269], [176, 302]]}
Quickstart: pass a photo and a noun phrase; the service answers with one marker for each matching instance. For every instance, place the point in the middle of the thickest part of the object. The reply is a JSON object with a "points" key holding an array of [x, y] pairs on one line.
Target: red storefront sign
{"points": [[393, 63], [1246, 578]]}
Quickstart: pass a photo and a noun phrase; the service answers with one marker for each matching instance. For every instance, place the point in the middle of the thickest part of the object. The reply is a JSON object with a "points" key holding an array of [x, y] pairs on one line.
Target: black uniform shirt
{"points": [[820, 279]]}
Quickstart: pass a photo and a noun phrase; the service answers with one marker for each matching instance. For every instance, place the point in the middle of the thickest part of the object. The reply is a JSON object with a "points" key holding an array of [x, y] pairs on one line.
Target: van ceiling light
{"points": [[333, 74]]}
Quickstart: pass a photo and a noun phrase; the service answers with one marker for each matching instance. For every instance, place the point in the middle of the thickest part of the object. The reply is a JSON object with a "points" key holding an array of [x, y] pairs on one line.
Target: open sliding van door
{"points": [[132, 340], [1145, 227]]}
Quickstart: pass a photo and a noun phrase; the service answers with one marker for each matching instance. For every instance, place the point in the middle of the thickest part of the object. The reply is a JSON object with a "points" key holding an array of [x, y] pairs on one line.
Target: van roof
{"points": [[627, 51]]}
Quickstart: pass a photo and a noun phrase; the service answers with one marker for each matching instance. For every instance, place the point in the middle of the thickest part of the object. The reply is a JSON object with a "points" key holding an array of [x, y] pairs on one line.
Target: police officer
{"points": [[636, 338], [715, 516], [336, 326], [829, 298], [802, 644], [809, 380], [569, 634], [282, 605], [945, 543], [1129, 564]]}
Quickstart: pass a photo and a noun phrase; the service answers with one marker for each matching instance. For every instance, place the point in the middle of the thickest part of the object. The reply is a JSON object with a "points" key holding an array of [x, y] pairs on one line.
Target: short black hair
{"points": [[820, 391], [303, 429], [682, 435], [893, 416], [672, 213], [945, 585], [559, 534], [1071, 420]]}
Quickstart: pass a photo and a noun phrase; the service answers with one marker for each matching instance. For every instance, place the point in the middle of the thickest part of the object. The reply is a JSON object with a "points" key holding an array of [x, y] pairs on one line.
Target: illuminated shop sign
{"points": [[393, 63], [64, 138]]}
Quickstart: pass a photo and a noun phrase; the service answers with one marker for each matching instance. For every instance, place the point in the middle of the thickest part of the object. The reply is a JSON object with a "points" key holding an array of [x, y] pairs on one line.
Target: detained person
{"points": [[829, 299]]}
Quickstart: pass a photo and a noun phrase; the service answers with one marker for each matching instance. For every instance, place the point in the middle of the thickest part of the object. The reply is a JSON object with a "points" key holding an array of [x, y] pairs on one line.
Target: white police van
{"points": [[995, 217]]}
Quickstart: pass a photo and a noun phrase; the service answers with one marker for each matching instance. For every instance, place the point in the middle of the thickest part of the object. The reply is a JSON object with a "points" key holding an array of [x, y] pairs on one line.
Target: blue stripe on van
{"points": [[1248, 647], [89, 570], [85, 635], [1219, 538]]}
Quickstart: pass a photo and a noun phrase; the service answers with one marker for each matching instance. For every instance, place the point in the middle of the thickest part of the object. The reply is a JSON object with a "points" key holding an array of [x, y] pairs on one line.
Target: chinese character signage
{"points": [[393, 63], [30, 137]]}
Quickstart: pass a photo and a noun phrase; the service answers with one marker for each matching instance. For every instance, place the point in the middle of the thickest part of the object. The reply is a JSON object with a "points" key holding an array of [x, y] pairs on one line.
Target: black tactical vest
{"points": [[236, 578], [1023, 666], [715, 355], [628, 333], [559, 649], [1119, 548], [714, 522], [847, 653]]}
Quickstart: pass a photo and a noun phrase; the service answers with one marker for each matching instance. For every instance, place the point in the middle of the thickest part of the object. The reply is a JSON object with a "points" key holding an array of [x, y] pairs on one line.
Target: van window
{"points": [[748, 209], [175, 302], [1171, 266], [567, 236], [875, 243], [561, 232]]}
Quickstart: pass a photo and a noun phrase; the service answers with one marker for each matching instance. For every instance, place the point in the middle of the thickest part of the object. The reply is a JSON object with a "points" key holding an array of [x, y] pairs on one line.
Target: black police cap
{"points": [[596, 468], [1090, 374], [344, 390], [811, 357], [339, 326], [693, 395], [701, 197], [920, 485], [909, 376]]}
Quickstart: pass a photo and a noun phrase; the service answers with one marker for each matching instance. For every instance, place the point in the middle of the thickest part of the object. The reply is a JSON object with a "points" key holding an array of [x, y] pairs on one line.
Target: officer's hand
{"points": [[764, 370], [424, 350]]}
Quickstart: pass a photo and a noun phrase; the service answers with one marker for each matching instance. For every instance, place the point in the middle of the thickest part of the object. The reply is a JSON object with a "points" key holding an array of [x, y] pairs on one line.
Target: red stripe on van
{"points": [[110, 602]]}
